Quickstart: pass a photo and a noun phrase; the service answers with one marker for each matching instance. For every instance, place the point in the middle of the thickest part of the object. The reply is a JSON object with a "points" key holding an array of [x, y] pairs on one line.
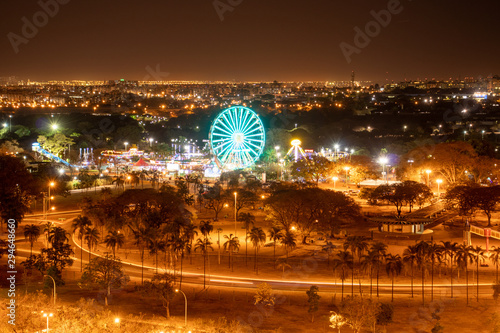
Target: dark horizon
{"points": [[250, 41]]}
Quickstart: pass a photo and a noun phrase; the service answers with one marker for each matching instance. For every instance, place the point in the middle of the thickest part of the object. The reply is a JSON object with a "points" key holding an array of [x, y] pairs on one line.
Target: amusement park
{"points": [[236, 141], [240, 207]]}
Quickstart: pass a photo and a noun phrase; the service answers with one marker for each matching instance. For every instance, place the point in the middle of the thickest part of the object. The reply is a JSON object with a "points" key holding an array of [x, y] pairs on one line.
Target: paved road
{"points": [[133, 269]]}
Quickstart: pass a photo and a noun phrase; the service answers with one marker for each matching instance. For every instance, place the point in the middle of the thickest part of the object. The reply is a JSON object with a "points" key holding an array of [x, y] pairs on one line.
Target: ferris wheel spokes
{"points": [[237, 138]]}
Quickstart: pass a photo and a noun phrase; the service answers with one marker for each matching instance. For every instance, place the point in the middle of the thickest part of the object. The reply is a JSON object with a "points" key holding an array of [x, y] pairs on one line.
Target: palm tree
{"points": [[178, 247], [380, 249], [368, 263], [289, 241], [141, 237], [47, 228], [203, 245], [422, 257], [189, 231], [155, 245], [282, 264], [232, 244], [115, 240], [58, 236], [79, 225], [356, 244], [343, 261], [464, 257], [360, 247], [478, 256], [410, 255], [434, 252], [257, 237], [206, 228], [185, 242], [91, 236], [450, 250], [31, 233], [248, 221], [328, 248], [275, 234], [495, 258], [393, 266]]}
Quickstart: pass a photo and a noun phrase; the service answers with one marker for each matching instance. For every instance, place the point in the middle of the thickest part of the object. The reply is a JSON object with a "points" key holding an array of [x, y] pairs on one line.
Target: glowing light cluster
{"points": [[237, 138]]}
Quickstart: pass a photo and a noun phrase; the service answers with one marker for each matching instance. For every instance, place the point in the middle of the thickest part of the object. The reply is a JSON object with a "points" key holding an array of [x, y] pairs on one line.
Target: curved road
{"points": [[244, 282]]}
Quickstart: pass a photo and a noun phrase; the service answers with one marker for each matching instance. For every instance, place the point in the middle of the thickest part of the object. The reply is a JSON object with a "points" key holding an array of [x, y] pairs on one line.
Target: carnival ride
{"points": [[37, 148], [237, 138], [296, 150]]}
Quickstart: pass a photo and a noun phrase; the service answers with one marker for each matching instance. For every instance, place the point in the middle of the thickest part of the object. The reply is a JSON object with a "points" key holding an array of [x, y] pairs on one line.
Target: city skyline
{"points": [[248, 41]]}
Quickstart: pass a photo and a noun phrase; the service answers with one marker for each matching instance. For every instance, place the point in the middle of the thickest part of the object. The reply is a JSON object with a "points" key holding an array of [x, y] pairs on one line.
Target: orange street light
{"points": [[439, 181], [334, 181], [428, 173]]}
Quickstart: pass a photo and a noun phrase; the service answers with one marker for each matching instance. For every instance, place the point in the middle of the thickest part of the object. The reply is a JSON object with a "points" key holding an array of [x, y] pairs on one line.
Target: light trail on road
{"points": [[251, 282]]}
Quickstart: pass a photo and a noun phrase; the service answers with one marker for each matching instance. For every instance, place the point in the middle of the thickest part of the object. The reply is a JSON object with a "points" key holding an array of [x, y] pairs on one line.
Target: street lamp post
{"points": [[150, 142], [282, 161], [126, 144], [346, 177], [51, 184], [335, 181], [384, 161], [47, 315], [55, 293], [278, 154], [482, 135], [44, 206], [117, 322], [219, 230], [185, 306], [235, 200], [428, 172], [439, 181]]}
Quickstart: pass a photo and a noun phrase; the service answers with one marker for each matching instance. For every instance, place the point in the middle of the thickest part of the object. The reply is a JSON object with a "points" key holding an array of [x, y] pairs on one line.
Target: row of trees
{"points": [[467, 199], [455, 162], [315, 168], [310, 210], [55, 256], [407, 193], [424, 257]]}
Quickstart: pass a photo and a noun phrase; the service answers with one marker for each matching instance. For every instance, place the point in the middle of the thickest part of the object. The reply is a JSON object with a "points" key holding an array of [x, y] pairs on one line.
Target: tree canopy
{"points": [[311, 210]]}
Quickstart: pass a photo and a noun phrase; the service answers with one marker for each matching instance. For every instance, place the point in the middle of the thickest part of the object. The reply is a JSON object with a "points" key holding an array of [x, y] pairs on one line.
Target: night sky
{"points": [[259, 40]]}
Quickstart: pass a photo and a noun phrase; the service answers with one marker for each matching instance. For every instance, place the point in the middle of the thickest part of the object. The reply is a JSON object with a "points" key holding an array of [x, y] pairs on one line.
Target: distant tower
{"points": [[353, 75]]}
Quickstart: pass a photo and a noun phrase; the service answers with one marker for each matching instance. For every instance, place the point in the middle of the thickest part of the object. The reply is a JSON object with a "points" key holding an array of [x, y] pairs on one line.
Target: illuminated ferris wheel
{"points": [[237, 138]]}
